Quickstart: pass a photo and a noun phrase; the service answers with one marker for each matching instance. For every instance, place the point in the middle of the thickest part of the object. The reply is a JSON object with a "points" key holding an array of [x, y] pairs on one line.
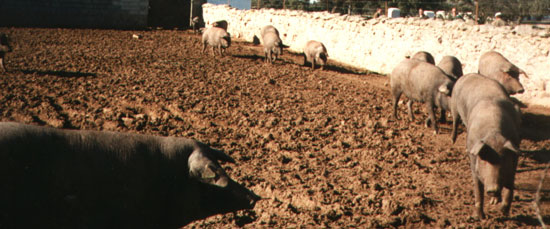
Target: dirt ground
{"points": [[319, 146]]}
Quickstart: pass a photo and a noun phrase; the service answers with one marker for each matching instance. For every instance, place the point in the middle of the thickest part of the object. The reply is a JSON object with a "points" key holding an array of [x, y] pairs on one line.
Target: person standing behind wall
{"points": [[378, 13], [498, 20], [454, 15]]}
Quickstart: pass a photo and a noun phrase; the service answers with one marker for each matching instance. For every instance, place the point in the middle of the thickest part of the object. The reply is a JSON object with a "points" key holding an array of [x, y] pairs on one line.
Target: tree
{"points": [[514, 9], [511, 9], [297, 4]]}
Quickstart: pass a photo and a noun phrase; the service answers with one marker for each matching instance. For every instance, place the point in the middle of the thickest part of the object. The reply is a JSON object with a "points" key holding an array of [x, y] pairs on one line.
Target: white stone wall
{"points": [[379, 44]]}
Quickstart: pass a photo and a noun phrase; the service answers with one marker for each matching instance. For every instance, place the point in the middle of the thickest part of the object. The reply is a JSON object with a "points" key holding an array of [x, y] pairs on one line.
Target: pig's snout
{"points": [[253, 198], [517, 90], [245, 196], [521, 90]]}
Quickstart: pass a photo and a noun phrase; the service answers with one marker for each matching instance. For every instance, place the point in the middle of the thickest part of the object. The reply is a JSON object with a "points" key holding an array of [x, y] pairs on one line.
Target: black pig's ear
{"points": [[485, 152], [221, 156], [477, 148], [489, 155], [208, 173]]}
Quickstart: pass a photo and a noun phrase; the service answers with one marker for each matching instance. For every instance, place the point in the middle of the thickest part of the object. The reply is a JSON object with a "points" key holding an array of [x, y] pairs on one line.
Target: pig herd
{"points": [[315, 52], [482, 101], [63, 178]]}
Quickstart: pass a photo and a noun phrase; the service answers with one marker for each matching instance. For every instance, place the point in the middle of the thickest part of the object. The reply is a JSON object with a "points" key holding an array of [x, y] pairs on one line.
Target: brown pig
{"points": [[495, 66], [492, 121], [452, 66], [216, 37], [424, 56], [195, 24], [419, 81], [269, 29], [273, 45], [220, 24], [315, 52]]}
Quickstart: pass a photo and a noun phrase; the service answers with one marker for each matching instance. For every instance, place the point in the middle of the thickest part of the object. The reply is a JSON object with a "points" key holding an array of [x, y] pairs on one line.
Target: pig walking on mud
{"points": [[423, 56], [216, 38], [269, 29], [195, 24], [5, 47], [422, 82], [220, 24], [315, 52], [451, 66], [273, 45], [492, 122], [495, 66], [56, 178]]}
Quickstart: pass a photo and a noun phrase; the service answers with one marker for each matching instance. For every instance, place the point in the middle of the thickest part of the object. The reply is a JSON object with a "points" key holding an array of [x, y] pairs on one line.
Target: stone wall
{"points": [[74, 13], [379, 44]]}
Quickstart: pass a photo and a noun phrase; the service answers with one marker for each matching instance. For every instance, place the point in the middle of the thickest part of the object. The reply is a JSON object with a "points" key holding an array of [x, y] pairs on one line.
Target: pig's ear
{"points": [[508, 145], [499, 75], [485, 152], [208, 173], [444, 88], [221, 156], [523, 72], [202, 168], [477, 148]]}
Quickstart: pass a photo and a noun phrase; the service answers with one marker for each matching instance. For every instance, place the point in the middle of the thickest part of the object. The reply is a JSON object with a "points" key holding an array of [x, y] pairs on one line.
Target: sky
{"points": [[239, 4]]}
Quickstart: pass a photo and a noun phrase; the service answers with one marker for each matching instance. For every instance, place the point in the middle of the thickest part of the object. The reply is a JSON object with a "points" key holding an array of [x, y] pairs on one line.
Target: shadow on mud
{"points": [[250, 57], [67, 74], [344, 70], [297, 59], [540, 156], [527, 220], [535, 127]]}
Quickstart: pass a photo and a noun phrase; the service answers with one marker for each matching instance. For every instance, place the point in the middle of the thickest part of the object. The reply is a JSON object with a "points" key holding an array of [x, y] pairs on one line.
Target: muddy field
{"points": [[319, 146]]}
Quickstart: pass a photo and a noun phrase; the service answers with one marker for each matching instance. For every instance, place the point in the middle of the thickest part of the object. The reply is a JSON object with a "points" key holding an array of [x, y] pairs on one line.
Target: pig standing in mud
{"points": [[195, 24], [216, 38], [5, 47], [495, 66], [220, 24], [452, 66], [424, 56], [492, 121], [55, 178], [315, 52], [273, 45], [419, 81]]}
